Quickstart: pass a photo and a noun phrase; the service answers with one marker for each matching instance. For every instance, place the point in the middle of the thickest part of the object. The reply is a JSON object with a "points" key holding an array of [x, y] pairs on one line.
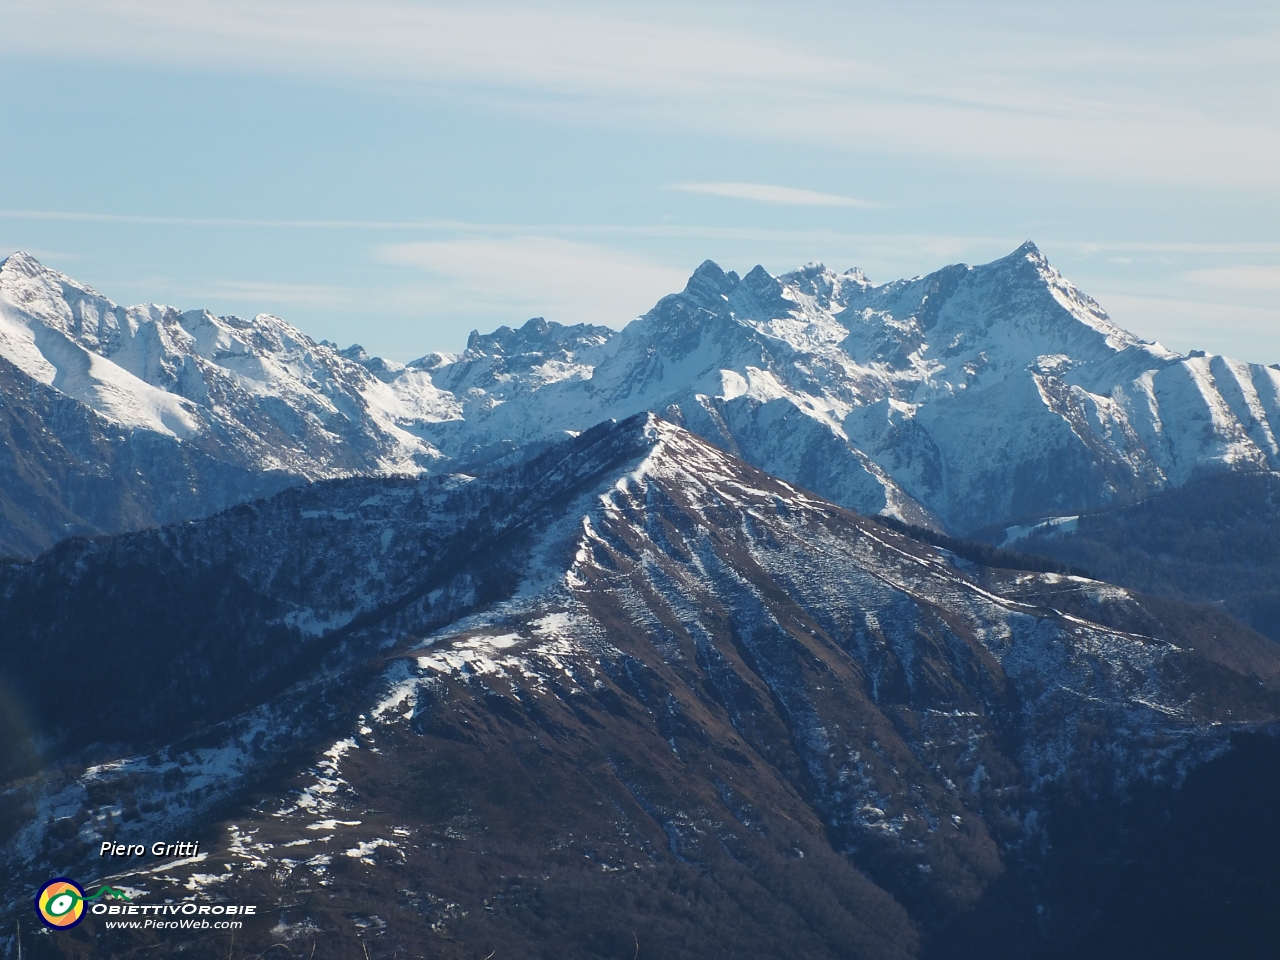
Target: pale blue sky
{"points": [[398, 173]]}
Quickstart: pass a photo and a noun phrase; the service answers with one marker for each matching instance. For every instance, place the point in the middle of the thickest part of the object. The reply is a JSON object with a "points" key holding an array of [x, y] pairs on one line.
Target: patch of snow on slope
{"points": [[316, 798], [1051, 525]]}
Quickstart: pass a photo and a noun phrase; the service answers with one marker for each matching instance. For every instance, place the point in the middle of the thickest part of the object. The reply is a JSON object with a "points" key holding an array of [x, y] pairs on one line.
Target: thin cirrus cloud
{"points": [[559, 279], [765, 193], [1100, 95], [1240, 331], [288, 294], [1253, 278]]}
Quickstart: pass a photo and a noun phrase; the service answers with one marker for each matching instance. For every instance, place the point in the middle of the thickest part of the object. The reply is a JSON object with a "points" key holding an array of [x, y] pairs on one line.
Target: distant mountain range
{"points": [[966, 399]]}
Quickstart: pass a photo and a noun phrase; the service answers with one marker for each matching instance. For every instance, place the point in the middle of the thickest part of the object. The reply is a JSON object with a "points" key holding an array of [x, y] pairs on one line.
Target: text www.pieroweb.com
{"points": [[151, 923], [190, 916]]}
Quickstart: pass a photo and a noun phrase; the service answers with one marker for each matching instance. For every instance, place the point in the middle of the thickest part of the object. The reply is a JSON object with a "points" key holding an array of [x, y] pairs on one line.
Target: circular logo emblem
{"points": [[60, 903]]}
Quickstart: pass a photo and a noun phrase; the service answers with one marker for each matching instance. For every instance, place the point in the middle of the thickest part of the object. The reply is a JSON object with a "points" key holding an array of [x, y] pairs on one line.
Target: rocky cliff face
{"points": [[971, 397], [633, 680]]}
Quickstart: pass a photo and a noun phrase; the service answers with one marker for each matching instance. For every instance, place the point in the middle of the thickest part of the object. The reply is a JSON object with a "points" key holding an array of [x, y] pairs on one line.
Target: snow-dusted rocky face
{"points": [[970, 397]]}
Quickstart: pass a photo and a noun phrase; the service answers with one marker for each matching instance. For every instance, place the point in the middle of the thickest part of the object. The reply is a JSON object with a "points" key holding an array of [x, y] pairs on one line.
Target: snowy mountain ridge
{"points": [[258, 392], [962, 399]]}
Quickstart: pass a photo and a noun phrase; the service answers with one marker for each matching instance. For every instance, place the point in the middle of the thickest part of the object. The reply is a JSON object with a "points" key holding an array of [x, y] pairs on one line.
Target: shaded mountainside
{"points": [[631, 697], [176, 628], [65, 470], [1215, 541], [969, 397], [1167, 874]]}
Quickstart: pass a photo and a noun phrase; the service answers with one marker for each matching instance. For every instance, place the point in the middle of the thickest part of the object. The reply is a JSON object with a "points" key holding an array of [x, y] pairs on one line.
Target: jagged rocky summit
{"points": [[965, 399]]}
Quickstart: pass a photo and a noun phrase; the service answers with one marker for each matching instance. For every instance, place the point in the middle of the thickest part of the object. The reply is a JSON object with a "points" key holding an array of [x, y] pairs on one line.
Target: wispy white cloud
{"points": [[1186, 323], [559, 279], [1253, 278], [765, 193], [85, 216], [560, 230], [277, 294], [1108, 94], [1166, 247]]}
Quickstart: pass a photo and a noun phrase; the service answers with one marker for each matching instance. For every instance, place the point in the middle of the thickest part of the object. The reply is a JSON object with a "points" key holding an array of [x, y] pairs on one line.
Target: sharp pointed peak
{"points": [[709, 281], [21, 260], [1028, 251], [709, 271], [1026, 254], [538, 326], [22, 267]]}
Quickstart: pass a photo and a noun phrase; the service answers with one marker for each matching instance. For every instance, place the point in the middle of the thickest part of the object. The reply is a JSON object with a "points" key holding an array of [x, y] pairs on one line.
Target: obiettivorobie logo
{"points": [[60, 902]]}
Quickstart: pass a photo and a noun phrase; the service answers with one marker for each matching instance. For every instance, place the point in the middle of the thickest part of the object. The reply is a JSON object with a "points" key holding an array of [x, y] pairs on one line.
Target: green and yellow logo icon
{"points": [[60, 902]]}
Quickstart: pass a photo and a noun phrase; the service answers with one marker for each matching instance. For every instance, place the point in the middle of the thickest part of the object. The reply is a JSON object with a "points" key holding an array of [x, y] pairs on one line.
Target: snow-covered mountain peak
{"points": [[923, 397], [823, 287], [21, 263], [685, 461], [54, 297], [709, 283], [1029, 251]]}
